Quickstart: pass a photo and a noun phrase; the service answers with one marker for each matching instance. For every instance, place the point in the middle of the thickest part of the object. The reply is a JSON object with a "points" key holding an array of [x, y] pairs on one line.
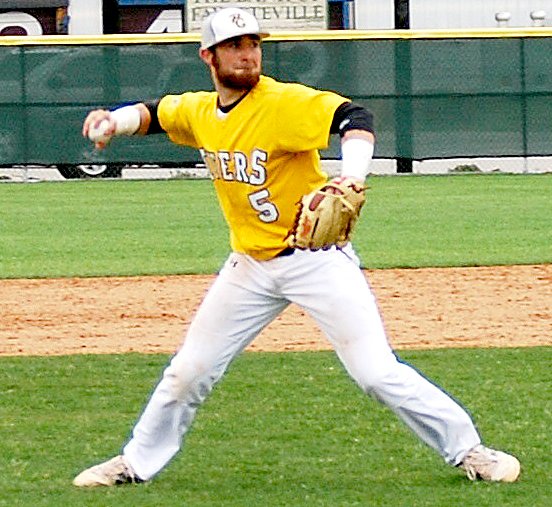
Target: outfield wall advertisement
{"points": [[272, 14]]}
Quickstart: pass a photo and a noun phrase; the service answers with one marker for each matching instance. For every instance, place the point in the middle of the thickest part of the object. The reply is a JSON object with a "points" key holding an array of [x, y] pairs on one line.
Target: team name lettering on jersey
{"points": [[236, 166]]}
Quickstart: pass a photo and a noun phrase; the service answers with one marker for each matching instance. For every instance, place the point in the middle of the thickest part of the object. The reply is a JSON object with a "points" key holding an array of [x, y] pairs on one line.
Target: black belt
{"points": [[286, 252]]}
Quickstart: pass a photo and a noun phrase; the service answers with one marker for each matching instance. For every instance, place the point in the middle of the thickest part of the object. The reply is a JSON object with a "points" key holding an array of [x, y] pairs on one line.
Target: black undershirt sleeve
{"points": [[154, 126], [350, 116]]}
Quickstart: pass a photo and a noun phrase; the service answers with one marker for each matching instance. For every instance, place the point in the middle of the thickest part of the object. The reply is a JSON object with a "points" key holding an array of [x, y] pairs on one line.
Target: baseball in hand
{"points": [[97, 134]]}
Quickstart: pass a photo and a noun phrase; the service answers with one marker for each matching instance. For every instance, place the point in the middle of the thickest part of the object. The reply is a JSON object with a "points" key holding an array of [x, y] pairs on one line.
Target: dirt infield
{"points": [[422, 308]]}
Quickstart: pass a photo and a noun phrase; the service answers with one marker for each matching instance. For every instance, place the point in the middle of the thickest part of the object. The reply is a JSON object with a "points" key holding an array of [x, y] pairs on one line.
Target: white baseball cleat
{"points": [[490, 465], [110, 473]]}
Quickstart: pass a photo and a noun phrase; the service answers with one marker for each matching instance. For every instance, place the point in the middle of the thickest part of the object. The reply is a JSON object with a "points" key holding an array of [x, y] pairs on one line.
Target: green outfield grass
{"points": [[169, 227], [287, 429]]}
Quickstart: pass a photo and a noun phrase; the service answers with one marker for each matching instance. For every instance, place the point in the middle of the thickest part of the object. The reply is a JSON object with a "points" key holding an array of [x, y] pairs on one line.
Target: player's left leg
{"points": [[346, 310]]}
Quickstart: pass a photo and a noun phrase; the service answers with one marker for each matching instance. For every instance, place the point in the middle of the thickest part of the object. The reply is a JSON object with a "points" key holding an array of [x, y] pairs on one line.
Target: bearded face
{"points": [[236, 79], [237, 63]]}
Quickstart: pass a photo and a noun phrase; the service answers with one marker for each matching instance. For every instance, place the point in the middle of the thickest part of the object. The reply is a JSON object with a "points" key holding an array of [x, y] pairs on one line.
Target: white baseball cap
{"points": [[228, 23]]}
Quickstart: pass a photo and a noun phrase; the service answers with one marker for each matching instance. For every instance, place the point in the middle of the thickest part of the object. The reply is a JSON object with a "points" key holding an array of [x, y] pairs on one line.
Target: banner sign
{"points": [[41, 21], [272, 14]]}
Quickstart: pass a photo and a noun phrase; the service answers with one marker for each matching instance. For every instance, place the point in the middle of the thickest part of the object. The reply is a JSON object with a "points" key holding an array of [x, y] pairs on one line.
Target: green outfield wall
{"points": [[434, 94]]}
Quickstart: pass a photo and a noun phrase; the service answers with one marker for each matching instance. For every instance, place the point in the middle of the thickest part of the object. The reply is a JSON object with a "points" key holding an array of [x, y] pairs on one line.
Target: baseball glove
{"points": [[326, 216]]}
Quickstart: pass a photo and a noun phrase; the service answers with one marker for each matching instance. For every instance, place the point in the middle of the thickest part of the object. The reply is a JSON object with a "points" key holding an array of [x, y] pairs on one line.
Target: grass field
{"points": [[169, 227], [287, 429], [281, 430]]}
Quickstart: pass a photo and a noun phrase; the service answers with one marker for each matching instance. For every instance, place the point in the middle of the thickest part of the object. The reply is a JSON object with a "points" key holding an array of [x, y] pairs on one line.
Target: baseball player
{"points": [[260, 140]]}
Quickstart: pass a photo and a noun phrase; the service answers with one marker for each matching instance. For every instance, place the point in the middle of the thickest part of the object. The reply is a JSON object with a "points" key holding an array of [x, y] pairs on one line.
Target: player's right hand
{"points": [[99, 127]]}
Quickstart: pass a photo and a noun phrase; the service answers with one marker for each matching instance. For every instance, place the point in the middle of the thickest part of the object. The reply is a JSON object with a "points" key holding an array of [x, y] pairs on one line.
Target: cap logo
{"points": [[238, 20]]}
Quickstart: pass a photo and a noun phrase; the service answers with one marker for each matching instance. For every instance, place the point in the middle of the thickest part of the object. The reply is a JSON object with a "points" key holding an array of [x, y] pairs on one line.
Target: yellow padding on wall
{"points": [[165, 38]]}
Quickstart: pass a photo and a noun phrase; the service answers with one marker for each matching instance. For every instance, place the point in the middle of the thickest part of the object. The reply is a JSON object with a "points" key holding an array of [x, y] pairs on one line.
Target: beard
{"points": [[244, 80]]}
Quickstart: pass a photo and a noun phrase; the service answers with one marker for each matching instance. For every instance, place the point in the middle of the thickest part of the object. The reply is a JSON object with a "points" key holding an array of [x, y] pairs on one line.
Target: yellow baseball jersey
{"points": [[262, 154]]}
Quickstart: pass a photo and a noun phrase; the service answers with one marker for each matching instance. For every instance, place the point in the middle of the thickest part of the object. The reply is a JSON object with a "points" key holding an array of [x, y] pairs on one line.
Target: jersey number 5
{"points": [[259, 202]]}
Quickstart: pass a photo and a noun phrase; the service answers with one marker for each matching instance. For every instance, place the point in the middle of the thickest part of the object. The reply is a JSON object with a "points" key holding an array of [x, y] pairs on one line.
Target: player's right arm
{"points": [[101, 125]]}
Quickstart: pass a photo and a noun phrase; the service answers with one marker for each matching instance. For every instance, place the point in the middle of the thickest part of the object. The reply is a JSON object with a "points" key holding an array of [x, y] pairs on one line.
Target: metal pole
{"points": [[402, 14], [403, 87], [523, 105]]}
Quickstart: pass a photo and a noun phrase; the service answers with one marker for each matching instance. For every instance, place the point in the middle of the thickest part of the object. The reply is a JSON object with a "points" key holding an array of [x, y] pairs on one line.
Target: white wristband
{"points": [[356, 157], [127, 120]]}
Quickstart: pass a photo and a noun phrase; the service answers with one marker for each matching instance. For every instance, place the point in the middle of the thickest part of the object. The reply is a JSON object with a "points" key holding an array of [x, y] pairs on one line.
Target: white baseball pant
{"points": [[246, 296]]}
